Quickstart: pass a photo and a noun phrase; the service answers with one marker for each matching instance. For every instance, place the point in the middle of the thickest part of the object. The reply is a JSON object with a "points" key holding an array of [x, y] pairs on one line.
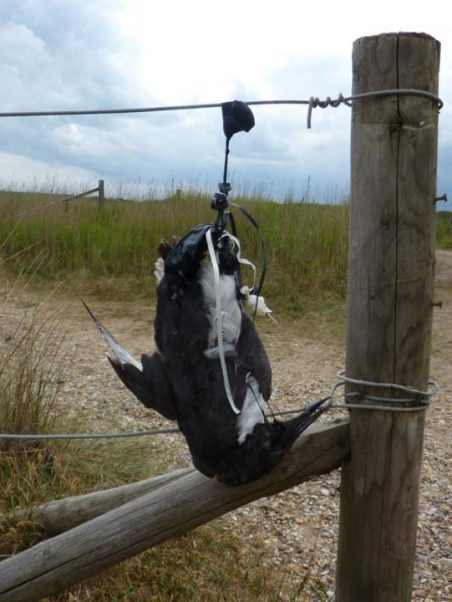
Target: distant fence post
{"points": [[100, 191], [101, 194], [389, 305]]}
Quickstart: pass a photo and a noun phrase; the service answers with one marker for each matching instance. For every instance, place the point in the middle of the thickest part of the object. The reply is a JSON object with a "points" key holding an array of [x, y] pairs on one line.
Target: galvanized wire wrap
{"points": [[312, 103], [416, 401]]}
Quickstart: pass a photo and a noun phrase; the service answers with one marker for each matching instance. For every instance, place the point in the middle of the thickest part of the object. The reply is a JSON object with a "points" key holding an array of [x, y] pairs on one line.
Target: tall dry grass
{"points": [[29, 378], [306, 242]]}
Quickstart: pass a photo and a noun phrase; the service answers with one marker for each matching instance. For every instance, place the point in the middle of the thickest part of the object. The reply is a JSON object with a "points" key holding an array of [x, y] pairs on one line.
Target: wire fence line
{"points": [[312, 103], [416, 402], [75, 436], [113, 435]]}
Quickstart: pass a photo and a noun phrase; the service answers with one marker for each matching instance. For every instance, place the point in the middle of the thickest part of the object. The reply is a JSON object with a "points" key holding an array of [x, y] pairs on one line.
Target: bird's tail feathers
{"points": [[118, 355], [308, 416]]}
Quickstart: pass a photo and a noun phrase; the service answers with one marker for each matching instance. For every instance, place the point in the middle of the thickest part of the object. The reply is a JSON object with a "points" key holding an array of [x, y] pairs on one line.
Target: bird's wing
{"points": [[151, 385], [252, 357], [118, 354], [148, 380]]}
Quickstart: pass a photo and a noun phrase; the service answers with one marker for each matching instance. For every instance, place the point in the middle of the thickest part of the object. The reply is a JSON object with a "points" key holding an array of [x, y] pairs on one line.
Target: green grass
{"points": [[306, 243], [444, 229], [112, 251], [29, 376]]}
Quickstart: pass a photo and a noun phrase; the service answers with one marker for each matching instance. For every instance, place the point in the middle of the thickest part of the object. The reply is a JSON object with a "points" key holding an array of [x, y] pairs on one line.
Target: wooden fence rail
{"points": [[170, 510], [61, 515], [100, 189]]}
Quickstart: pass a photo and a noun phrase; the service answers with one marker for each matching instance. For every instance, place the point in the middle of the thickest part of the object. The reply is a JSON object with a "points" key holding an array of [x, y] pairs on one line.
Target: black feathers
{"points": [[185, 380]]}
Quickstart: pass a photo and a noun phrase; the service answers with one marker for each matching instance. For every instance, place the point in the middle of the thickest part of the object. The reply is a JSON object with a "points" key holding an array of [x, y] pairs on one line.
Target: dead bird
{"points": [[210, 373]]}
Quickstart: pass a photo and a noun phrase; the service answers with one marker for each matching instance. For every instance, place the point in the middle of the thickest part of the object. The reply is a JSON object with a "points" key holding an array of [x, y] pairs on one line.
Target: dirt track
{"points": [[301, 524]]}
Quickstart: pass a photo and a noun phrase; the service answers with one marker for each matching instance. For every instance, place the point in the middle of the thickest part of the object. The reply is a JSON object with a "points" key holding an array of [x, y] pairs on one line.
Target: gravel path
{"points": [[297, 529]]}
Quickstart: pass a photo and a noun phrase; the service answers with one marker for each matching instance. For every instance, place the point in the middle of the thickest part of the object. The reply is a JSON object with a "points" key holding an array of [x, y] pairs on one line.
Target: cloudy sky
{"points": [[67, 54]]}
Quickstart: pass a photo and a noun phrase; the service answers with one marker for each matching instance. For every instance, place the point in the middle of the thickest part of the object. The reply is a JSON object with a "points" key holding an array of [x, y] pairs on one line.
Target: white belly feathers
{"points": [[253, 410], [231, 315]]}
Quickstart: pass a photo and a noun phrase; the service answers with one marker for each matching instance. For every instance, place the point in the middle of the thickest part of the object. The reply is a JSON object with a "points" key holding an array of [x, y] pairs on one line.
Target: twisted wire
{"points": [[312, 103]]}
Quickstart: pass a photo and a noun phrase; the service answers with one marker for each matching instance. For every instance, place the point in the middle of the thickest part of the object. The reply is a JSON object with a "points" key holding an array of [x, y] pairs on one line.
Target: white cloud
{"points": [[19, 170], [118, 53]]}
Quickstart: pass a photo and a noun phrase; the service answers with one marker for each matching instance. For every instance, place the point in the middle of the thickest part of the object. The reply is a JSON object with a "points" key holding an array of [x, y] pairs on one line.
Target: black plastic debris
{"points": [[237, 117]]}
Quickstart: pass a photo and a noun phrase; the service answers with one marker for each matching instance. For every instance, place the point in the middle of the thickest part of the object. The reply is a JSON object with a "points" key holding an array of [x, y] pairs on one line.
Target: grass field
{"points": [[111, 252], [306, 243]]}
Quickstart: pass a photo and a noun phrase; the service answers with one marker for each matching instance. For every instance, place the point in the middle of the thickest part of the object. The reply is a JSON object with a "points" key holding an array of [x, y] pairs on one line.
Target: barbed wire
{"points": [[312, 103]]}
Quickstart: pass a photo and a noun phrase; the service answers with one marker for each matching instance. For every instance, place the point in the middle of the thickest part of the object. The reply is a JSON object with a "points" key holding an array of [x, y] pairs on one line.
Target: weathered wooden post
{"points": [[101, 193], [390, 295]]}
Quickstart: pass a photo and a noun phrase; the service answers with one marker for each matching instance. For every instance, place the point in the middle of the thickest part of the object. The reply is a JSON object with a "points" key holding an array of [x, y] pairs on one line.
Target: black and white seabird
{"points": [[223, 418]]}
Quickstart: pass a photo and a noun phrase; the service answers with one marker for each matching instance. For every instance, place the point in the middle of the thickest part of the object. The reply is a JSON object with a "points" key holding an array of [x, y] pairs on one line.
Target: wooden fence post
{"points": [[101, 194], [390, 295]]}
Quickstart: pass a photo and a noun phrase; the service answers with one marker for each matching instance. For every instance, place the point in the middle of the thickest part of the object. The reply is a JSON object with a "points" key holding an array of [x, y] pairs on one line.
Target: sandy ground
{"points": [[298, 528]]}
